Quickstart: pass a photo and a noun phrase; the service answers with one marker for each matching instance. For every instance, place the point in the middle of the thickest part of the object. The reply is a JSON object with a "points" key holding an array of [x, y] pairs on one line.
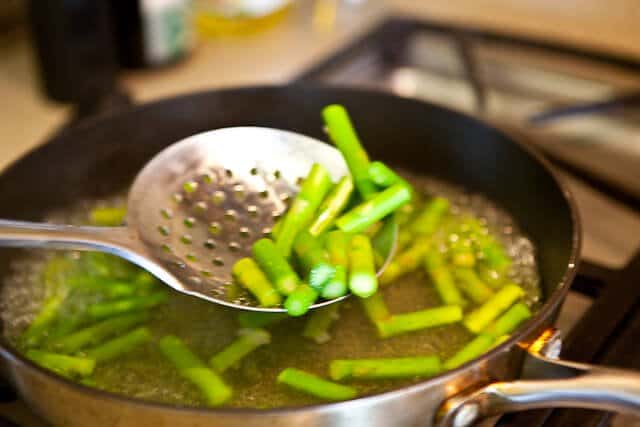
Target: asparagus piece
{"points": [[120, 345], [194, 370], [248, 341], [362, 270], [103, 310], [68, 366], [482, 316], [408, 322], [39, 327], [275, 266], [405, 367], [469, 282], [66, 324], [442, 279], [112, 288], [491, 277], [299, 301], [102, 264], [256, 319], [332, 205], [94, 334], [494, 255], [430, 217], [377, 207], [462, 254], [249, 275], [315, 385], [337, 244], [301, 212], [376, 309], [479, 345], [107, 216], [406, 262], [384, 240], [319, 322], [344, 136], [509, 321], [314, 260]]}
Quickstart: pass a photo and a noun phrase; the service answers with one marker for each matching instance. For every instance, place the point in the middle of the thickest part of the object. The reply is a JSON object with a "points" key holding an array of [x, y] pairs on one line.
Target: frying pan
{"points": [[101, 156]]}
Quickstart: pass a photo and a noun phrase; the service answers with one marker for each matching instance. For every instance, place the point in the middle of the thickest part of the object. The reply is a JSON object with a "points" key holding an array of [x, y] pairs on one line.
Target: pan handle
{"points": [[561, 384]]}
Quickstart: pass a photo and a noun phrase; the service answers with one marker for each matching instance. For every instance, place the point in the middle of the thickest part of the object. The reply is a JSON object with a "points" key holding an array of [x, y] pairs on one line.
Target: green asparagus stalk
{"points": [[491, 277], [107, 309], [482, 316], [384, 240], [120, 345], [314, 260], [301, 212], [383, 176], [344, 136], [377, 207], [479, 345], [299, 301], [95, 334], [408, 322], [315, 386], [332, 205], [319, 322], [494, 255], [462, 254], [66, 325], [275, 266], [469, 282], [362, 270], [406, 261], [39, 327], [249, 275], [337, 244], [442, 279], [430, 217], [375, 308], [509, 321], [194, 370], [68, 366], [109, 217], [247, 342], [112, 288], [256, 319], [405, 367]]}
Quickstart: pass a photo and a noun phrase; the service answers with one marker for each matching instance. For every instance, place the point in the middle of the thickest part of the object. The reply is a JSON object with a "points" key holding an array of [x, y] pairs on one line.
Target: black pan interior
{"points": [[103, 155]]}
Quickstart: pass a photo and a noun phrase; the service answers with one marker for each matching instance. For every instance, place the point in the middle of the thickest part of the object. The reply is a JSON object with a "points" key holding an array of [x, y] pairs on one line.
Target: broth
{"points": [[207, 328]]}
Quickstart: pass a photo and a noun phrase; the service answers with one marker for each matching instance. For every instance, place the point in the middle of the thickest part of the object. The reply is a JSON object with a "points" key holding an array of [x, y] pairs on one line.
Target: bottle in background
{"points": [[224, 17]]}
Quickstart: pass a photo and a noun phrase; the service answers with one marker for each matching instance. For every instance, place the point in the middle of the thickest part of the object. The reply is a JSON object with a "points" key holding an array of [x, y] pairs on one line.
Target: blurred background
{"points": [[564, 74]]}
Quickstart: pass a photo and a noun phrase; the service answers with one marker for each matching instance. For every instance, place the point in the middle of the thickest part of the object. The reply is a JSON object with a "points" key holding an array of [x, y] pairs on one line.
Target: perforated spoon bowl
{"points": [[198, 206]]}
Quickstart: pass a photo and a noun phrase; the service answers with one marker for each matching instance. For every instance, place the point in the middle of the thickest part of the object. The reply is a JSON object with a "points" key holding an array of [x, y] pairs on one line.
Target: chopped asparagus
{"points": [[194, 370], [248, 341], [442, 279], [362, 270], [319, 322], [406, 261], [405, 367], [430, 217], [299, 301], [275, 266], [41, 324], [344, 136], [494, 255], [314, 260], [249, 275], [471, 350], [482, 316], [337, 244], [301, 212], [377, 207], [107, 309], [120, 345], [509, 321], [95, 334], [315, 385], [332, 206], [408, 322], [469, 282], [107, 216], [383, 176], [62, 364], [375, 308]]}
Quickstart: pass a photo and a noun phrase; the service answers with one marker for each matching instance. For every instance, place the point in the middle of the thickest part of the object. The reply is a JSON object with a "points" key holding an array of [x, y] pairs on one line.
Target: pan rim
{"points": [[548, 308]]}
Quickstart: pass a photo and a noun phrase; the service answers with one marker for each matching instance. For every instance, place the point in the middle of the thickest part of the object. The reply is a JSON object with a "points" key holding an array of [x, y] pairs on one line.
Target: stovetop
{"points": [[582, 109]]}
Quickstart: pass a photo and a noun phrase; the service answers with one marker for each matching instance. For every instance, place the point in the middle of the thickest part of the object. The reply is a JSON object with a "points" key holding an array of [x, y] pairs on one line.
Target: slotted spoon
{"points": [[198, 206]]}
